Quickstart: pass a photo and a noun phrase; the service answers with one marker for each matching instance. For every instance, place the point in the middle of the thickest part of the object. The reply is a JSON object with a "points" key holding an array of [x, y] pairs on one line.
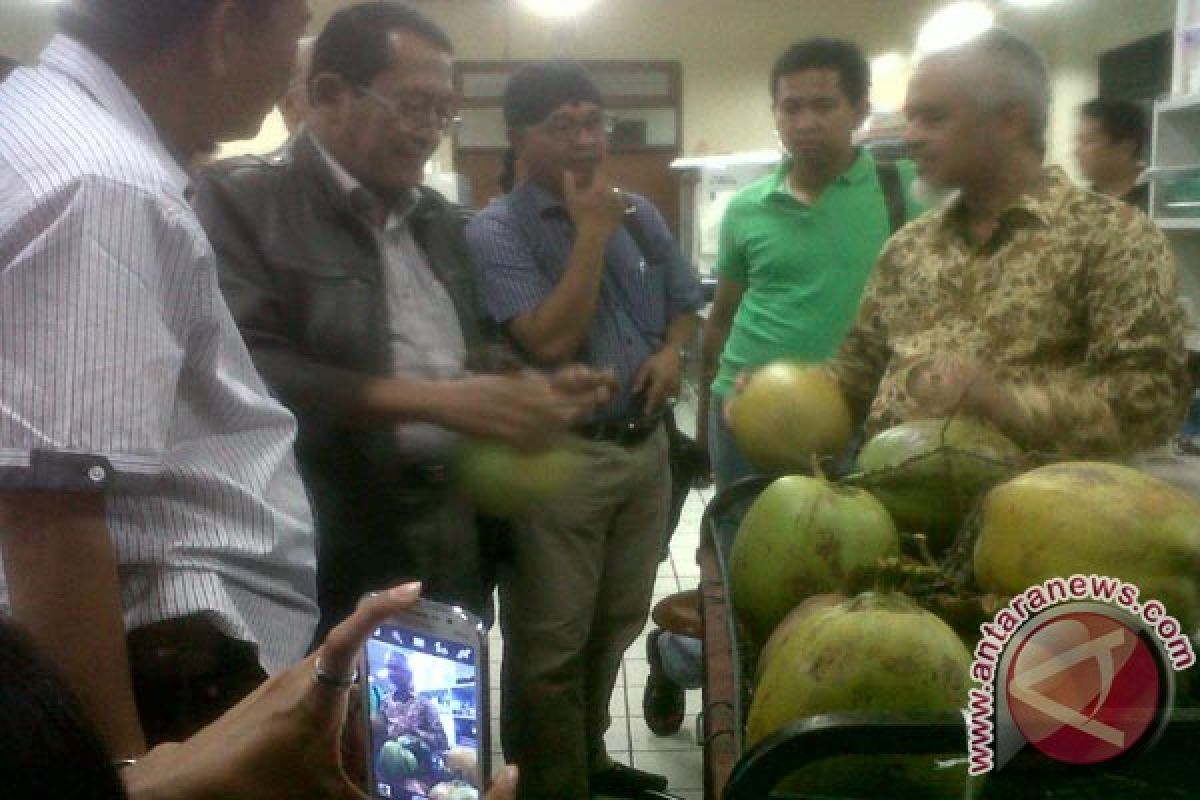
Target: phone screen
{"points": [[426, 713]]}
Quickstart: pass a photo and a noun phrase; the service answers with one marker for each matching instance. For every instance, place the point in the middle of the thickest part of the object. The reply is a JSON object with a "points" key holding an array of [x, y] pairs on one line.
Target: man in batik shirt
{"points": [[1049, 310], [409, 714]]}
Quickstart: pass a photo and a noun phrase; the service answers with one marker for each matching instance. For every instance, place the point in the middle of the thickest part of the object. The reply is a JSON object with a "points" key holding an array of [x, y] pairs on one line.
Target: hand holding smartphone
{"points": [[425, 705]]}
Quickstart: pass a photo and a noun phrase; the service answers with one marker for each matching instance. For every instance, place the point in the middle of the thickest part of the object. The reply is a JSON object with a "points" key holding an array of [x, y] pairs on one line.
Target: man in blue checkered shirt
{"points": [[576, 269]]}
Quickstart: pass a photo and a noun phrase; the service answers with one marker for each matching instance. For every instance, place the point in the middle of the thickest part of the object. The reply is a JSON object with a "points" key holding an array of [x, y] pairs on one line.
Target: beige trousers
{"points": [[574, 598]]}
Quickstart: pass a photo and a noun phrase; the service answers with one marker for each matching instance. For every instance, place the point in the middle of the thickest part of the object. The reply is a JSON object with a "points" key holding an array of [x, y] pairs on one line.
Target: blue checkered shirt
{"points": [[521, 243]]}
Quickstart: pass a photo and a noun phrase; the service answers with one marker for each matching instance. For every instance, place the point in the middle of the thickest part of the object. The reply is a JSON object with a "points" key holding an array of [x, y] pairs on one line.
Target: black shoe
{"points": [[663, 700], [623, 781]]}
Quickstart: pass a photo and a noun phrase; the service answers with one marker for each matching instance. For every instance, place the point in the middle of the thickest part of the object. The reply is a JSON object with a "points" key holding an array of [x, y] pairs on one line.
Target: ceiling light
{"points": [[889, 77], [887, 63], [557, 8], [953, 25]]}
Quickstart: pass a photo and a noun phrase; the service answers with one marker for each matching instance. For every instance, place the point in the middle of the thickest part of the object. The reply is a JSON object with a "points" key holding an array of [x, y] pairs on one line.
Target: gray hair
{"points": [[1004, 68]]}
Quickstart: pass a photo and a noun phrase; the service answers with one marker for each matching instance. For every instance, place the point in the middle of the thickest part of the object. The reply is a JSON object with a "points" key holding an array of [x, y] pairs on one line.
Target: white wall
{"points": [[1072, 36], [24, 27], [725, 47]]}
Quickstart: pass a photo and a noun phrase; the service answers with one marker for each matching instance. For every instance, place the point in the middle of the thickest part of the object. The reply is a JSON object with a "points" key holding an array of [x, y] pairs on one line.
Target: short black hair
{"points": [[136, 29], [534, 91], [50, 748], [354, 42], [821, 52], [1121, 120]]}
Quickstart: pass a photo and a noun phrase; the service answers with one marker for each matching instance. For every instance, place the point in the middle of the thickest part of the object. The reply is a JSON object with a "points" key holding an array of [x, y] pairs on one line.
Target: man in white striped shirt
{"points": [[147, 480]]}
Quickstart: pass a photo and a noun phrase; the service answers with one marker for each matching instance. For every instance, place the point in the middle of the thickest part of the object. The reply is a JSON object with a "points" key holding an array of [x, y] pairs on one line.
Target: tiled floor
{"points": [[629, 740]]}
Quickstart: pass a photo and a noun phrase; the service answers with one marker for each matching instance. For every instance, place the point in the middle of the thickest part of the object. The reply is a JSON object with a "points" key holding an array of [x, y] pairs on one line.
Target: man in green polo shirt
{"points": [[798, 245], [795, 252]]}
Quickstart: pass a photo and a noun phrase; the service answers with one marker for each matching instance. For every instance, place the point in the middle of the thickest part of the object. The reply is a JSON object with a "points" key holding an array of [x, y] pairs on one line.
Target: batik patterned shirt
{"points": [[413, 715], [1071, 304]]}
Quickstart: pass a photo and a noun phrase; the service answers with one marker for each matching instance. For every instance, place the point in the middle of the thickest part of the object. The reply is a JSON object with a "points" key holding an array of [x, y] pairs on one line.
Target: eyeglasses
{"points": [[567, 128], [416, 112]]}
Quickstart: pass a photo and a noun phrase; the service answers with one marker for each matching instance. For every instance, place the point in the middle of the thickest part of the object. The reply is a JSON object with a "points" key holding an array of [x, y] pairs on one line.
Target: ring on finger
{"points": [[340, 682]]}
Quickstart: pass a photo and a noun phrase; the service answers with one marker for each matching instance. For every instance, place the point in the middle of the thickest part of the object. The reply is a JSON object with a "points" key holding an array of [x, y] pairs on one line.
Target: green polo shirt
{"points": [[803, 266]]}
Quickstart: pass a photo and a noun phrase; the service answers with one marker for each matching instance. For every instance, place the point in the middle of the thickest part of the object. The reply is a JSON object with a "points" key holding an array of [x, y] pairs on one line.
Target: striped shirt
{"points": [[121, 369], [521, 243]]}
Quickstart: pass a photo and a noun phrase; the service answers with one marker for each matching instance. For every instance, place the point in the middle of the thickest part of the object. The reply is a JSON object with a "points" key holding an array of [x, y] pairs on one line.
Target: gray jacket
{"points": [[303, 277]]}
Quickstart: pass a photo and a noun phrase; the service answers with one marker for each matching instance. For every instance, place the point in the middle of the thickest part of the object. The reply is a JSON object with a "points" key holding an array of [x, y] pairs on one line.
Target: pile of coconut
{"points": [[866, 592]]}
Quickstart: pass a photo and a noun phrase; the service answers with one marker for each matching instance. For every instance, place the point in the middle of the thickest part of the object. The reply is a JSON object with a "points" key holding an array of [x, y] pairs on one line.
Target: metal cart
{"points": [[1166, 770]]}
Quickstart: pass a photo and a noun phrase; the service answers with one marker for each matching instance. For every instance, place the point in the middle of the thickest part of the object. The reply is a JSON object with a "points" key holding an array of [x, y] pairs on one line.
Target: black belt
{"points": [[626, 432]]}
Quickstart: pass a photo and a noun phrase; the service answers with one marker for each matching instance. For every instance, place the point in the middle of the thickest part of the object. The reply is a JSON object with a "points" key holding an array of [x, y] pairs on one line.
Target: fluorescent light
{"points": [[953, 25], [887, 64], [889, 78], [557, 8]]}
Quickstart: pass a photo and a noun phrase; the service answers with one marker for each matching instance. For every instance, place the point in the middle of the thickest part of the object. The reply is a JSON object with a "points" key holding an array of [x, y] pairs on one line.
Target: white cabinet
{"points": [[707, 185], [1185, 64], [1175, 158]]}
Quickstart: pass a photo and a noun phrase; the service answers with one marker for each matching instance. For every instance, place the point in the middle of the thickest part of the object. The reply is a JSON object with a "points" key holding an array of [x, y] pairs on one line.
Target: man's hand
{"points": [[739, 385], [658, 379], [586, 387], [284, 740], [526, 408], [598, 208], [947, 387]]}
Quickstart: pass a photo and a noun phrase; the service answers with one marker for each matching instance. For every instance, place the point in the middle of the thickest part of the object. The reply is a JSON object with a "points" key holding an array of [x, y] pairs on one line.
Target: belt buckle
{"points": [[628, 433]]}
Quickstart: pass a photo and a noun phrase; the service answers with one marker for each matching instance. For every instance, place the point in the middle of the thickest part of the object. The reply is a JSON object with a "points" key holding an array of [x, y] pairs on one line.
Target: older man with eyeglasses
{"points": [[352, 287]]}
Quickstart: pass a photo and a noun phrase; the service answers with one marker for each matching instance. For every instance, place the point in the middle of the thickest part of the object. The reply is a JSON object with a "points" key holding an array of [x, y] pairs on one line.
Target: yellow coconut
{"points": [[1093, 518], [786, 414]]}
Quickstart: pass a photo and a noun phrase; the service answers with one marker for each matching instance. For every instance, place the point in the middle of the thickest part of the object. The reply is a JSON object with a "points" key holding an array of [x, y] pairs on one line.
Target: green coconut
{"points": [[1093, 518], [804, 536], [505, 481], [878, 652], [396, 762], [930, 473], [790, 624]]}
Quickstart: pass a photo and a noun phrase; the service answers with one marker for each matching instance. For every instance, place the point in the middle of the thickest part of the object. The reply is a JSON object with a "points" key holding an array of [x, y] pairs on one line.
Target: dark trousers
{"points": [[435, 539], [186, 673]]}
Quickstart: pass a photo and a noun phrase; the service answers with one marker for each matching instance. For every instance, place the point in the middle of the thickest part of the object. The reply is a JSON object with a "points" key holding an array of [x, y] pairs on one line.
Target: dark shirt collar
{"points": [[362, 199], [1038, 203]]}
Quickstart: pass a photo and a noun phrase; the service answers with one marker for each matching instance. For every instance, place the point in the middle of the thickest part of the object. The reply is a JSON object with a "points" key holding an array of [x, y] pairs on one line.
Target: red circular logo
{"points": [[1084, 687]]}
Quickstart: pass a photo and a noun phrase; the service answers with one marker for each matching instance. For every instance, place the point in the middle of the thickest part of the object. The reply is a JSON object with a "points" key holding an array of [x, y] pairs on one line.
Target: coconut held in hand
{"points": [[506, 481], [788, 412]]}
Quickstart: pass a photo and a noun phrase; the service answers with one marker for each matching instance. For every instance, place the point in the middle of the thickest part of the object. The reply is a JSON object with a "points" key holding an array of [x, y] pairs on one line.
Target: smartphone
{"points": [[425, 702]]}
